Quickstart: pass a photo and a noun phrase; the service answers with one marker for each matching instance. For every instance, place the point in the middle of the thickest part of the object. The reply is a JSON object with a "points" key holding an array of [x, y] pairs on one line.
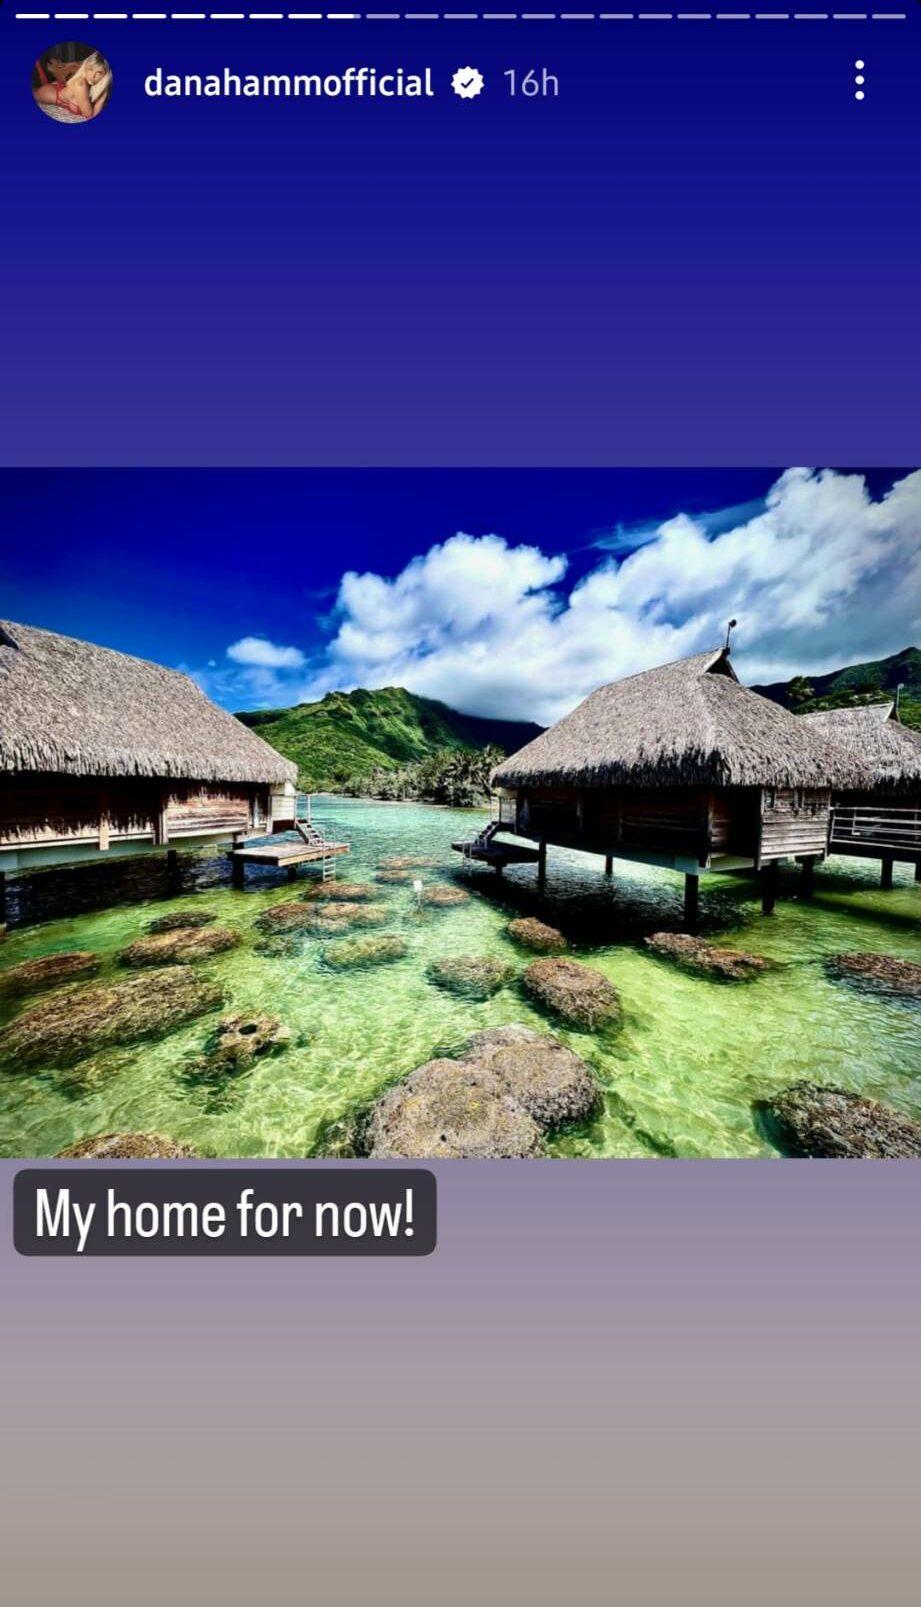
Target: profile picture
{"points": [[72, 83]]}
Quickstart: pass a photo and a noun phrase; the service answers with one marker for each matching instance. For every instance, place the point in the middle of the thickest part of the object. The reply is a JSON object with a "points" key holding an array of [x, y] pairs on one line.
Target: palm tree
{"points": [[800, 692]]}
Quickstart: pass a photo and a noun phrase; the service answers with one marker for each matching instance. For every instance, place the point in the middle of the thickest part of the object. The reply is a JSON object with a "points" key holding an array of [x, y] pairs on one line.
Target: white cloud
{"points": [[822, 575], [259, 652], [818, 575]]}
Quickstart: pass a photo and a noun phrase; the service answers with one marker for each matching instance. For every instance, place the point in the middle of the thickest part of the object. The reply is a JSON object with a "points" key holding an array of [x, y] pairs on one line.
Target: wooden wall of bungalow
{"points": [[47, 810], [702, 824]]}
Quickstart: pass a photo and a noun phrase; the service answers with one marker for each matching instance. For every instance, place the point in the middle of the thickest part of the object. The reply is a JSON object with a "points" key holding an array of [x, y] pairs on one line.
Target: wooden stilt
{"points": [[691, 902], [541, 866], [292, 873], [609, 864], [769, 888], [885, 879], [2, 899], [238, 872], [807, 877], [918, 871]]}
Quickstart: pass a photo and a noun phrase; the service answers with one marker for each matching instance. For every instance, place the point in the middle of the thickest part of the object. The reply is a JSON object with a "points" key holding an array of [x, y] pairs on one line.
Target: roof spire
{"points": [[729, 630]]}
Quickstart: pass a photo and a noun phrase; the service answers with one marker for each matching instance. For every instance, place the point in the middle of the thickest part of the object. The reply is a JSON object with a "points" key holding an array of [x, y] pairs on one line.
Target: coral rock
{"points": [[577, 993], [443, 898], [882, 972], [507, 1087], [68, 1026], [829, 1123], [181, 947], [534, 934], [342, 892], [239, 1040], [33, 976], [695, 954], [552, 1083], [291, 916], [127, 1147], [448, 1109], [333, 918], [354, 952], [182, 921], [477, 976]]}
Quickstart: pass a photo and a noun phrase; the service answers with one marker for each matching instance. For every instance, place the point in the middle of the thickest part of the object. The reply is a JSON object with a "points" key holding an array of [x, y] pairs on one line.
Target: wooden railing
{"points": [[876, 829]]}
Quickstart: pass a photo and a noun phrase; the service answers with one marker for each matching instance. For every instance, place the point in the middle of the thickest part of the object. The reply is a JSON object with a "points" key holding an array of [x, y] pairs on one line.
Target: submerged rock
{"points": [[179, 947], [274, 948], [553, 1084], [69, 1026], [333, 918], [355, 952], [534, 934], [394, 878], [695, 954], [477, 976], [449, 1109], [443, 898], [577, 993], [126, 1147], [237, 1041], [235, 1047], [33, 976], [342, 892], [291, 916], [830, 1123], [506, 1088], [182, 921], [882, 972]]}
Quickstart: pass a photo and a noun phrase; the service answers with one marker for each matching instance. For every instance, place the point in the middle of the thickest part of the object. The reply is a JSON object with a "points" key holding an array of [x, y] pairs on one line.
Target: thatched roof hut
{"points": [[70, 708], [878, 817], [875, 739], [684, 724], [679, 767]]}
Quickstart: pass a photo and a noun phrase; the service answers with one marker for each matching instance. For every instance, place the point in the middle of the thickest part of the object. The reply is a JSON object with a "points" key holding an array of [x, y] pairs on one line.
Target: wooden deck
{"points": [[497, 854], [287, 853], [304, 846]]}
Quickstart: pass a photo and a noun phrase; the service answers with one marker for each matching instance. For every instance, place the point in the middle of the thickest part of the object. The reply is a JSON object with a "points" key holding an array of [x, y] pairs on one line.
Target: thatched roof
{"points": [[684, 724], [875, 737], [68, 707]]}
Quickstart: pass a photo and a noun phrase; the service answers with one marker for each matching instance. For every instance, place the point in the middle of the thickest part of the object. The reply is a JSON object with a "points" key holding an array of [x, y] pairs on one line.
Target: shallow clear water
{"points": [[680, 1074]]}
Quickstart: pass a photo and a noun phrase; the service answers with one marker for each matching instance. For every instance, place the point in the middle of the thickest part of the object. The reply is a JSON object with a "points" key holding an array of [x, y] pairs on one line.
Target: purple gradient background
{"points": [[705, 252], [639, 1383]]}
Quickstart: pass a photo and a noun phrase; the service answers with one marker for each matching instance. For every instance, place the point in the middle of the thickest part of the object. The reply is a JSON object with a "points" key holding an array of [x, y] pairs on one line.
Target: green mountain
{"points": [[347, 736], [858, 683]]}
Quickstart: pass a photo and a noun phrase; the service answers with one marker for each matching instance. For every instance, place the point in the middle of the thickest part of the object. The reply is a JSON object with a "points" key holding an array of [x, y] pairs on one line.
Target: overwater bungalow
{"points": [[102, 754], [882, 819], [682, 767]]}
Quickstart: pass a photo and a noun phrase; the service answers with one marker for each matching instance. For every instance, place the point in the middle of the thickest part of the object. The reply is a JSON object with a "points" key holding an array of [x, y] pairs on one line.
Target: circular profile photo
{"points": [[72, 83]]}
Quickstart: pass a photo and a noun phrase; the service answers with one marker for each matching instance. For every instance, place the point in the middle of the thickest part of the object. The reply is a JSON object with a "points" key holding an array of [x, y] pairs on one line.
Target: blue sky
{"points": [[508, 592]]}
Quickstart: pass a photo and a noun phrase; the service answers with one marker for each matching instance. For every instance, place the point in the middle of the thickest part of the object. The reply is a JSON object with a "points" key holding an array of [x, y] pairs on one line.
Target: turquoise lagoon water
{"points": [[680, 1075]]}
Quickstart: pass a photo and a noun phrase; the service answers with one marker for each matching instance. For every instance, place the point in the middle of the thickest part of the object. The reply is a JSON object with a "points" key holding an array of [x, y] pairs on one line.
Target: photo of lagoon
{"points": [[536, 815]]}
